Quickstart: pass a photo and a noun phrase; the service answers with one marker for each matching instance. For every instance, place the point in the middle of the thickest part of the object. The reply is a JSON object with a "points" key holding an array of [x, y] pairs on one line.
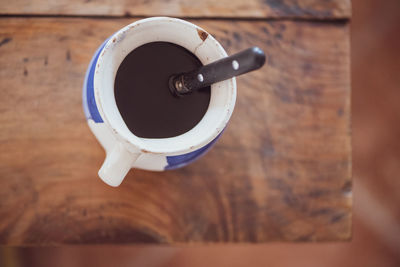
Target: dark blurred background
{"points": [[375, 44]]}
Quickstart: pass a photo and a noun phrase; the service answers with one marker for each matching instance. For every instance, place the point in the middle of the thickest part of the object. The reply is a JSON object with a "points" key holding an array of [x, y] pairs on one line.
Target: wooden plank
{"points": [[184, 8], [281, 171]]}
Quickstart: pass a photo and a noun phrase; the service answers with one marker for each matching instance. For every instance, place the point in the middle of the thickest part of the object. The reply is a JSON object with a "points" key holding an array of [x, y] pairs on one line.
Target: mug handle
{"points": [[117, 164]]}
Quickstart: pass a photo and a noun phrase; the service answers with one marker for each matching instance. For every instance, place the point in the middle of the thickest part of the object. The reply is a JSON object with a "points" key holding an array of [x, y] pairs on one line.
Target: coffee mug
{"points": [[123, 149]]}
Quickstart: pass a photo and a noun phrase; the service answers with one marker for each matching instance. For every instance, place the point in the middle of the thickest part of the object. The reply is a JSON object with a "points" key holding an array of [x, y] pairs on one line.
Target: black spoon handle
{"points": [[220, 70]]}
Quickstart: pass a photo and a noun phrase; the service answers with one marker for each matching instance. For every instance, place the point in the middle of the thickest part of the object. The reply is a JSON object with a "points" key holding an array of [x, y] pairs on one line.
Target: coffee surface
{"points": [[144, 99]]}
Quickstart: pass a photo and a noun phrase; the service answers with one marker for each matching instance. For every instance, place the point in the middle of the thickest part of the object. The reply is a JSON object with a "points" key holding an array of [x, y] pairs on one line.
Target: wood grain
{"points": [[184, 8], [281, 171]]}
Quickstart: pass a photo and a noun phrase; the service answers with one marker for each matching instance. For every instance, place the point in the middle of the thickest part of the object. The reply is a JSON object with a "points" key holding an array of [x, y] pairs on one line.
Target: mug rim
{"points": [[105, 100]]}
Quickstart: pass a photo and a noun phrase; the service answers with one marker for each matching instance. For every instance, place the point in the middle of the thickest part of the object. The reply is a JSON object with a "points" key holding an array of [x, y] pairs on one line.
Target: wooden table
{"points": [[281, 171]]}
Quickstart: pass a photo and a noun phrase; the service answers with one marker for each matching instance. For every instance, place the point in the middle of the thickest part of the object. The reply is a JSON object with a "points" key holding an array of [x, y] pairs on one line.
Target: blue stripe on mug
{"points": [[178, 161], [89, 101]]}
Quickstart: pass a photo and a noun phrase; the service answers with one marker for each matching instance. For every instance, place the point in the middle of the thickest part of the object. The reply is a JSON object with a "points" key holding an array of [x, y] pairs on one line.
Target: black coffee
{"points": [[143, 97]]}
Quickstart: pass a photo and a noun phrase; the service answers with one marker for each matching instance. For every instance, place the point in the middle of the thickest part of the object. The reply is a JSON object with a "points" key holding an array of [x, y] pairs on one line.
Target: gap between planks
{"points": [[339, 20]]}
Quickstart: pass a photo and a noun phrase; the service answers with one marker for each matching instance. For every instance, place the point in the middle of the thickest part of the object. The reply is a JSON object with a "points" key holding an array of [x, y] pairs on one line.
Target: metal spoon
{"points": [[220, 70]]}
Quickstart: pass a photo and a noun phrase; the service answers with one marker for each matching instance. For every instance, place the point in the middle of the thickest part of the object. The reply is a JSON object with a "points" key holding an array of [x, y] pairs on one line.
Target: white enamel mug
{"points": [[123, 149]]}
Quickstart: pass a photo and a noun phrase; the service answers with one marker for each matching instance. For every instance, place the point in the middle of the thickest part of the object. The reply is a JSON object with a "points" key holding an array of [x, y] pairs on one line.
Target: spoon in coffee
{"points": [[243, 62]]}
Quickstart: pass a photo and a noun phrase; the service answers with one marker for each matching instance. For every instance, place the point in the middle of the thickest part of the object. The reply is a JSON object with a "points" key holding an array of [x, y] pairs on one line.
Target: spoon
{"points": [[243, 62]]}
